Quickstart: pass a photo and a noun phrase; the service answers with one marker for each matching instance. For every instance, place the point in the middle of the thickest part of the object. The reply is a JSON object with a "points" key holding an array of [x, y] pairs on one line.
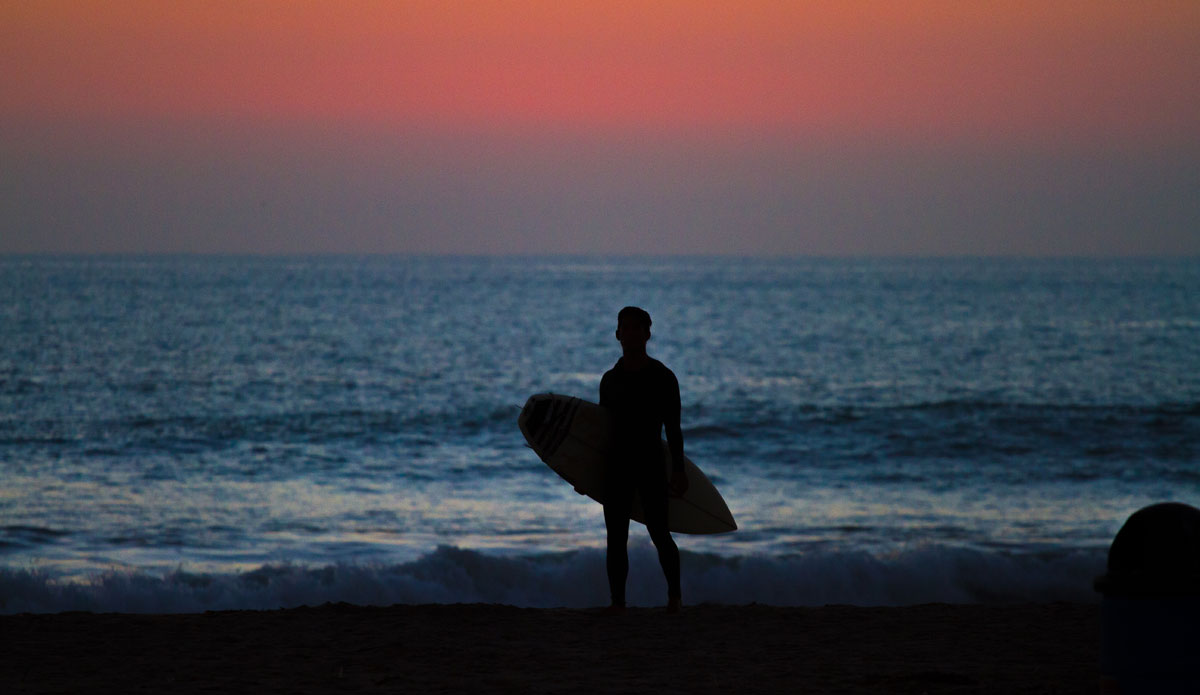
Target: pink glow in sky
{"points": [[894, 122], [1093, 68]]}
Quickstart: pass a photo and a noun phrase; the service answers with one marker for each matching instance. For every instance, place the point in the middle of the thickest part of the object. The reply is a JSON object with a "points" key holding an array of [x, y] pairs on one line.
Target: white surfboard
{"points": [[571, 436]]}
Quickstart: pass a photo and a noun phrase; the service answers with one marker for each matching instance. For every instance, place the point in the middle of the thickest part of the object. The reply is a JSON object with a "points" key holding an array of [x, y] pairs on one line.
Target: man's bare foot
{"points": [[674, 604]]}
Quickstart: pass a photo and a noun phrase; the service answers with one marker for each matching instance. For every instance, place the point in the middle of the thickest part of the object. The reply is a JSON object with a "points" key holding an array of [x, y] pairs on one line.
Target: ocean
{"points": [[194, 433]]}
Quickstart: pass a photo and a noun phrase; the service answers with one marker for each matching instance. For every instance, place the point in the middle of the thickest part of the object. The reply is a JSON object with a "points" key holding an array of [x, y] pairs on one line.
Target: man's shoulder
{"points": [[609, 376], [662, 369]]}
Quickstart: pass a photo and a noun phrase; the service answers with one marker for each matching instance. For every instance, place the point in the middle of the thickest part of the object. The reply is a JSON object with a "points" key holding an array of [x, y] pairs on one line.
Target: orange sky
{"points": [[1091, 69]]}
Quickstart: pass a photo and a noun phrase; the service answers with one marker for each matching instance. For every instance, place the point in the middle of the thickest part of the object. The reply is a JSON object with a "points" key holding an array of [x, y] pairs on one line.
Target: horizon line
{"points": [[283, 255]]}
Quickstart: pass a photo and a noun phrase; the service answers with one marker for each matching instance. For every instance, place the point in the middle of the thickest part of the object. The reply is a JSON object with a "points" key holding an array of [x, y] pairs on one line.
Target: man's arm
{"points": [[674, 432], [604, 391]]}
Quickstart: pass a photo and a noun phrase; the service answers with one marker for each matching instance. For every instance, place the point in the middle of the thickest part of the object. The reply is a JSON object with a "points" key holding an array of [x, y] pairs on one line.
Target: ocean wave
{"points": [[192, 434], [1047, 441], [577, 579], [784, 414]]}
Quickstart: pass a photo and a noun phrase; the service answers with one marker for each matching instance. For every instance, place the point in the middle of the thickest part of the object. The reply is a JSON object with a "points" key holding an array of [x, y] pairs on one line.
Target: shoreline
{"points": [[930, 648]]}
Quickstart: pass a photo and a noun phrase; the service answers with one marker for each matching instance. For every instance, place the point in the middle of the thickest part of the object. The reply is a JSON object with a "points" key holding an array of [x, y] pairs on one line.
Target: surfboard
{"points": [[572, 436]]}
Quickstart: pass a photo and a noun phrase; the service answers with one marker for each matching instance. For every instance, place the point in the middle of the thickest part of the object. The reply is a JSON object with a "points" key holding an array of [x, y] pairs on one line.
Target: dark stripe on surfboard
{"points": [[563, 426]]}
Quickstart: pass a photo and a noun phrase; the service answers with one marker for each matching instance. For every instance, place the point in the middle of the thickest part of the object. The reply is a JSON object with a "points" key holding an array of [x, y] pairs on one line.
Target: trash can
{"points": [[1150, 612]]}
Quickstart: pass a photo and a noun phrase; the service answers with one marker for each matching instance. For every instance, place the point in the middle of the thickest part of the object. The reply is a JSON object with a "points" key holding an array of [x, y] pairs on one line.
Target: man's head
{"points": [[633, 327], [633, 314]]}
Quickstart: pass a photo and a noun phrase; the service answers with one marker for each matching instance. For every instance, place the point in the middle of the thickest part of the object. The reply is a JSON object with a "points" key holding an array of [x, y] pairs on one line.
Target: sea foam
{"points": [[577, 579]]}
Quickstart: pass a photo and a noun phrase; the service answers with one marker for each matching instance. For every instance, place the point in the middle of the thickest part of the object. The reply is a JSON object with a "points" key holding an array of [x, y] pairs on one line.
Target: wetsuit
{"points": [[641, 402]]}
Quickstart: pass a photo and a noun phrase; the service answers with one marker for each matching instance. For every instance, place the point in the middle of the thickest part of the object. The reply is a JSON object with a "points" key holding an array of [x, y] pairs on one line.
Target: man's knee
{"points": [[661, 536]]}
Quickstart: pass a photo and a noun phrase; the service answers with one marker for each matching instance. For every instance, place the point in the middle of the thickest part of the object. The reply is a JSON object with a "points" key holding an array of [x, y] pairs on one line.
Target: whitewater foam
{"points": [[577, 579]]}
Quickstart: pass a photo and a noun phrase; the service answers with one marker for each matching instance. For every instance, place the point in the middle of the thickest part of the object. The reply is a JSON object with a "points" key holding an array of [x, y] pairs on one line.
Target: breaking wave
{"points": [[577, 579]]}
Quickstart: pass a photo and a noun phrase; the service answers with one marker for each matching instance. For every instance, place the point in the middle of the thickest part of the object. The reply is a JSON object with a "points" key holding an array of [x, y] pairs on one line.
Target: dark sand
{"points": [[471, 648]]}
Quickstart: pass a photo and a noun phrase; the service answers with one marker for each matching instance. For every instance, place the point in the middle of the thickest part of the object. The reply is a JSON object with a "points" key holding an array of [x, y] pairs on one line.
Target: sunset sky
{"points": [[755, 127]]}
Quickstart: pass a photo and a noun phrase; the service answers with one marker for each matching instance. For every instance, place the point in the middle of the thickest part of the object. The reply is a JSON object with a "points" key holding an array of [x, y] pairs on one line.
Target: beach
{"points": [[933, 648]]}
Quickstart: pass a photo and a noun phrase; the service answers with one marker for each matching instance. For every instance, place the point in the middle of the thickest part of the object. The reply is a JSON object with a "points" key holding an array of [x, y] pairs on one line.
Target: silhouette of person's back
{"points": [[642, 396]]}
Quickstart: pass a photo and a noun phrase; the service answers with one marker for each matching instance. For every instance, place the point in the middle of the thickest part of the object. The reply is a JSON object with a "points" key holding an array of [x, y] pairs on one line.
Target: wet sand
{"points": [[501, 649]]}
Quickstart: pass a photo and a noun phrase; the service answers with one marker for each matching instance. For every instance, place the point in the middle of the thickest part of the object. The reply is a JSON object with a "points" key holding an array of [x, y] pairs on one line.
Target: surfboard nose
{"points": [[546, 420], [534, 416]]}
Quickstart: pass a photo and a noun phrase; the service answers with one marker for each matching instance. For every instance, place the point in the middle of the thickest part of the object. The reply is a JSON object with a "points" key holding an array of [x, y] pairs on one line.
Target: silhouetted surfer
{"points": [[643, 397]]}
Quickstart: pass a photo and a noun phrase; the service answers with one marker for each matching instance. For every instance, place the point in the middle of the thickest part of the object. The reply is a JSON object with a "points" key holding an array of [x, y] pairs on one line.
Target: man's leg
{"points": [[618, 502], [654, 503]]}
